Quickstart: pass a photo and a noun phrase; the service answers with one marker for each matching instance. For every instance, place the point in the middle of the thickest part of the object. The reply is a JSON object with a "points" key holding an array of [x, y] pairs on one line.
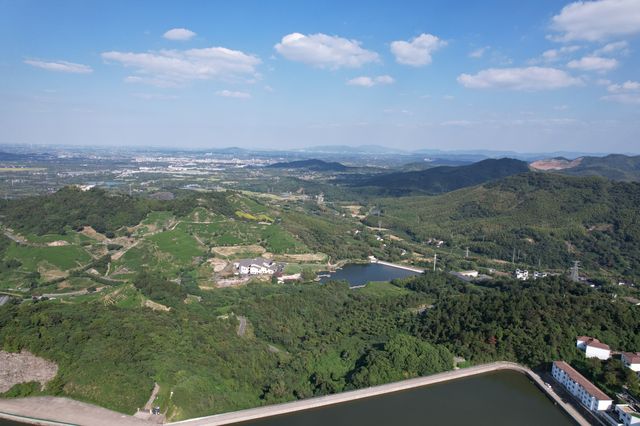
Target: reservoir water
{"points": [[496, 399], [359, 274]]}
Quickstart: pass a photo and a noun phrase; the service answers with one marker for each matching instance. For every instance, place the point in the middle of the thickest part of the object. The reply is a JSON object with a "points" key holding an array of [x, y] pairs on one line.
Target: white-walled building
{"points": [[258, 266], [628, 415], [469, 274], [522, 275], [631, 360], [593, 348], [585, 391]]}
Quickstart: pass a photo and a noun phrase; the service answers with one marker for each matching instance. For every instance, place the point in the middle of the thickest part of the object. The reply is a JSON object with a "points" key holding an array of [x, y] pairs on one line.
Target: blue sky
{"points": [[525, 76]]}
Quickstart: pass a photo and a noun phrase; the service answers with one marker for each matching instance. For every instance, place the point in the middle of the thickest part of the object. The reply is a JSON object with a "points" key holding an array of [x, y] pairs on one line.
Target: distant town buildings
{"points": [[631, 360], [257, 266], [523, 275], [435, 242], [85, 188], [593, 348], [586, 392]]}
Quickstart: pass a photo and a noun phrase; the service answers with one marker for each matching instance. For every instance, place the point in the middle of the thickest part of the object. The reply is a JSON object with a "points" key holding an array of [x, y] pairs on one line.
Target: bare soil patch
{"points": [[92, 233], [234, 250], [156, 306], [58, 243], [305, 257], [24, 367], [218, 265]]}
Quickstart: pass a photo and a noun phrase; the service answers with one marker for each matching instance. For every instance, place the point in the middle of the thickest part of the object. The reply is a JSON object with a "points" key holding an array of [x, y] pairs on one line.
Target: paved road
{"points": [[149, 405], [48, 410]]}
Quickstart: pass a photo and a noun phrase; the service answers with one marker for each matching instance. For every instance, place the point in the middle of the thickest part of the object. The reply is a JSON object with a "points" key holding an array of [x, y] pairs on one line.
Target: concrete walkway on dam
{"points": [[65, 411], [290, 407], [399, 266]]}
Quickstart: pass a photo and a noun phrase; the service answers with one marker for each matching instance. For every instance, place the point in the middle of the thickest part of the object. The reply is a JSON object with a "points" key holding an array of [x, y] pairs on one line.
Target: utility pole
{"points": [[513, 256], [435, 259], [130, 190], [466, 255]]}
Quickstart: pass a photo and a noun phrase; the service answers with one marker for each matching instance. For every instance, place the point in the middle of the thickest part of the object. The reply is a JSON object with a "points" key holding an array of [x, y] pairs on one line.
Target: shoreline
{"points": [[94, 415], [323, 401]]}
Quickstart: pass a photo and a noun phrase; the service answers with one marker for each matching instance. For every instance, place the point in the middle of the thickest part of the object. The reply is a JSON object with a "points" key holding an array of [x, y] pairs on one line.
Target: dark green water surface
{"points": [[501, 398]]}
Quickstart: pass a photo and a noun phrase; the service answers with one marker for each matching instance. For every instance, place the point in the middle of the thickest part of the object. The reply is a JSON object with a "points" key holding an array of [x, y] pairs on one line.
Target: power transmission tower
{"points": [[574, 271]]}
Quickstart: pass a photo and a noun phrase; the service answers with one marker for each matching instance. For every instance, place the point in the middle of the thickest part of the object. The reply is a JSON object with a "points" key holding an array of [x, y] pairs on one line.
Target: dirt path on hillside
{"points": [[242, 325]]}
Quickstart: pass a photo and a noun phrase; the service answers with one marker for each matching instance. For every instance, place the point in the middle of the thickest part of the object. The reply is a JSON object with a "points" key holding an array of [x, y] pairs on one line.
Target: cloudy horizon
{"points": [[539, 77]]}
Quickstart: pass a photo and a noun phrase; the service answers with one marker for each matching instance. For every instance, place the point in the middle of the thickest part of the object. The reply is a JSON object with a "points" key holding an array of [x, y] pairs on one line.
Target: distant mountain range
{"points": [[10, 156], [614, 166], [313, 164], [442, 179]]}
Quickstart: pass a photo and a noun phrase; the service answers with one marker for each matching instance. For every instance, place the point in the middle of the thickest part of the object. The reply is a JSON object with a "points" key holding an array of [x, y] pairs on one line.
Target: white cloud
{"points": [[593, 63], [416, 52], [478, 53], [527, 79], [631, 86], [232, 94], [552, 55], [154, 96], [324, 51], [365, 81], [172, 68], [60, 66], [619, 47], [597, 20], [626, 93], [179, 34]]}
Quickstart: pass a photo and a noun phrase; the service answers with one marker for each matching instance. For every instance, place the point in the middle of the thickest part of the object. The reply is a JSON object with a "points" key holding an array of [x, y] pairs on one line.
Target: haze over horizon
{"points": [[542, 76]]}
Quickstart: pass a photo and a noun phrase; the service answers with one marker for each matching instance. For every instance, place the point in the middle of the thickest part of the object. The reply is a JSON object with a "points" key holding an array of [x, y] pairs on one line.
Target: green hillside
{"points": [[548, 219], [614, 166], [313, 164], [442, 179]]}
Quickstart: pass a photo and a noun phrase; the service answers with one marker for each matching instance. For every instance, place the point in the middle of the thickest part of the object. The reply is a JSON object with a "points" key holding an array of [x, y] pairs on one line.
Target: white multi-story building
{"points": [[593, 348], [522, 275], [585, 391], [631, 360], [628, 415]]}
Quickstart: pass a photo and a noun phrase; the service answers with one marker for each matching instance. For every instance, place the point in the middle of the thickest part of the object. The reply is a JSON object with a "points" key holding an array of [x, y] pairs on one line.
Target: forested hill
{"points": [[615, 166], [446, 178], [105, 211], [545, 218], [313, 164]]}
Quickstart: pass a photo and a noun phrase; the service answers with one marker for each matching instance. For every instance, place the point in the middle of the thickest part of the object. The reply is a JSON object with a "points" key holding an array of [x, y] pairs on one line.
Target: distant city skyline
{"points": [[538, 76]]}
